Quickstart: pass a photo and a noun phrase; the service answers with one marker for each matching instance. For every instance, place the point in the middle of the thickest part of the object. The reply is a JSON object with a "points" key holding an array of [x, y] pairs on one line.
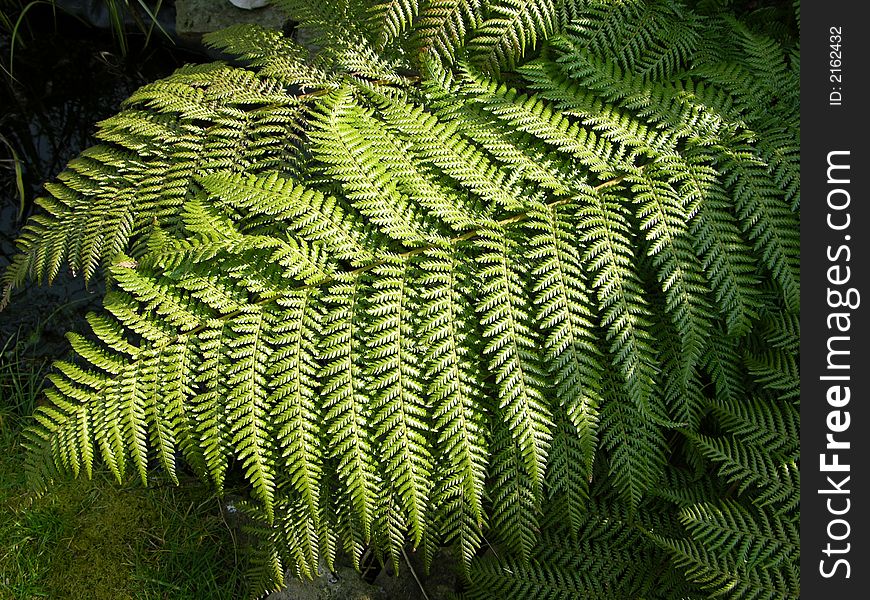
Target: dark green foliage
{"points": [[524, 272]]}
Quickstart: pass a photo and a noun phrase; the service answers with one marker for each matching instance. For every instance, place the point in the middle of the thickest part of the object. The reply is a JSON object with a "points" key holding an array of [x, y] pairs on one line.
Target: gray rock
{"points": [[194, 18], [249, 4], [346, 584]]}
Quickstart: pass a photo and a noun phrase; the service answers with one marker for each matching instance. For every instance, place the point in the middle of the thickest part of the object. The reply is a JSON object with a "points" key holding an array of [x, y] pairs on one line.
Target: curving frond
{"points": [[510, 28]]}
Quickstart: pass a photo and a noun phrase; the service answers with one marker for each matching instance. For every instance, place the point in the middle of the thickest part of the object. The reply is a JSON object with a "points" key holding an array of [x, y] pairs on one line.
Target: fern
{"points": [[738, 551], [524, 272]]}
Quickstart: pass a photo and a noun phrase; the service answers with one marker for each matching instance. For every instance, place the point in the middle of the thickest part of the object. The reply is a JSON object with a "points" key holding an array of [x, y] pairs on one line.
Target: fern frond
{"points": [[635, 445], [337, 20], [623, 312], [346, 401], [274, 54], [248, 406], [652, 39], [511, 349], [528, 161], [515, 506], [393, 18], [565, 315], [96, 211], [737, 552], [746, 465], [296, 416], [447, 149], [456, 392], [314, 216], [353, 160], [445, 24], [664, 217], [767, 221], [533, 116], [414, 178], [729, 264], [610, 559], [510, 28], [399, 414]]}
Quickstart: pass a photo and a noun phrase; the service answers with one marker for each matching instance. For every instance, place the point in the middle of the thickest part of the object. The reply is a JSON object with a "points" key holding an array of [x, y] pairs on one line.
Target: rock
{"points": [[249, 4], [346, 584], [194, 18]]}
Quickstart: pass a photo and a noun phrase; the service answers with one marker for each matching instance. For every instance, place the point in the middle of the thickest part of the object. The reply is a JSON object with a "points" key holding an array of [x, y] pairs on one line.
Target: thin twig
{"points": [[414, 573]]}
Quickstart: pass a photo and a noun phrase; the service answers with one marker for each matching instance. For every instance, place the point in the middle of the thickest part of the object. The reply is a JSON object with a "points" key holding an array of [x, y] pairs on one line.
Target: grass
{"points": [[97, 540]]}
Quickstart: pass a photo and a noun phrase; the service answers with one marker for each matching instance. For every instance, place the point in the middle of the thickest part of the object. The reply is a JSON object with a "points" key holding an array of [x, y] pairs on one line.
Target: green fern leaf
{"points": [[512, 353]]}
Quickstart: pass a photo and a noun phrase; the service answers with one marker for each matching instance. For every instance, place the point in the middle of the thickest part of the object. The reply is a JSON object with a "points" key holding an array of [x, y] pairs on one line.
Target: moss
{"points": [[92, 559], [96, 539]]}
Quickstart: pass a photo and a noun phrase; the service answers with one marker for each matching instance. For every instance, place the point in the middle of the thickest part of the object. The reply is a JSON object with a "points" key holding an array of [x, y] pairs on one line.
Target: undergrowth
{"points": [[95, 540]]}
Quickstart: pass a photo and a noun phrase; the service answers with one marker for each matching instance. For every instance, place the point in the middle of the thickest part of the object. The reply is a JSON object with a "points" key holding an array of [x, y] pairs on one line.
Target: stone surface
{"points": [[194, 18], [249, 4], [346, 584]]}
